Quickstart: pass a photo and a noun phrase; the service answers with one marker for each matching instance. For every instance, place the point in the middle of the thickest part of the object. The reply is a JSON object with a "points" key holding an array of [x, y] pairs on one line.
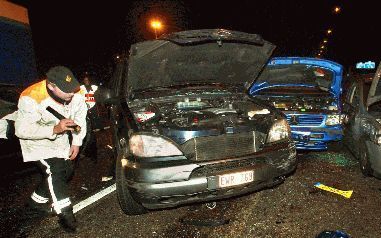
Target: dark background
{"points": [[87, 36]]}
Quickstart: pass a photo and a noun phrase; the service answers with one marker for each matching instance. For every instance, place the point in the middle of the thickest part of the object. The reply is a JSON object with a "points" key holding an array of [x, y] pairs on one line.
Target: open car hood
{"points": [[375, 89], [293, 76], [212, 56]]}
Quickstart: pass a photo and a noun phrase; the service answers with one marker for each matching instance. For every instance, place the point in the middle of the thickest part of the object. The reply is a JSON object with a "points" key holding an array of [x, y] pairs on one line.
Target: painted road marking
{"points": [[90, 200]]}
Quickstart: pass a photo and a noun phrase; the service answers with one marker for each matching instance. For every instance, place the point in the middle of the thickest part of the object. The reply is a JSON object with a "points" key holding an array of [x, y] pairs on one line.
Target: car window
{"points": [[117, 78], [354, 98], [378, 89], [349, 94]]}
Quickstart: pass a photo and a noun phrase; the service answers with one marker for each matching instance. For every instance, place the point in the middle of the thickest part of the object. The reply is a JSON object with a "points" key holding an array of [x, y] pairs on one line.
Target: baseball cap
{"points": [[63, 78]]}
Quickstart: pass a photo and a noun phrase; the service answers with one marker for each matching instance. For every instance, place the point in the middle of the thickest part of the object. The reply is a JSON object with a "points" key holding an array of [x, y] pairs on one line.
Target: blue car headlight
{"points": [[334, 119]]}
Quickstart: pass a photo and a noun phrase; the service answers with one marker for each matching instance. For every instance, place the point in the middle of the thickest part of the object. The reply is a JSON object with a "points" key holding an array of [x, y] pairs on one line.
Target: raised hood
{"points": [[300, 72], [212, 56]]}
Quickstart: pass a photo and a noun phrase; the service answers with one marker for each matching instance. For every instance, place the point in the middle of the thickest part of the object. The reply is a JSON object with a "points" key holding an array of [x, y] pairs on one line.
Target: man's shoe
{"points": [[37, 210], [67, 220]]}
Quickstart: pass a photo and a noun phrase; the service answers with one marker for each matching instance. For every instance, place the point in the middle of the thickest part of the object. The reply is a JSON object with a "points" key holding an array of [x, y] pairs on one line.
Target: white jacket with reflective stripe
{"points": [[89, 95], [34, 124]]}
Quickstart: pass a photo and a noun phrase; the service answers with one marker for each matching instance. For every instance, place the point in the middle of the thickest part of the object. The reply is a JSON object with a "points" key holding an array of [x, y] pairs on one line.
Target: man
{"points": [[45, 139], [88, 90], [90, 144]]}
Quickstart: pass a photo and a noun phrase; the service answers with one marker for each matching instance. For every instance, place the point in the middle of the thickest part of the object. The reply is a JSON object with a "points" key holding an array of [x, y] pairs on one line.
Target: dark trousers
{"points": [[54, 186], [89, 147]]}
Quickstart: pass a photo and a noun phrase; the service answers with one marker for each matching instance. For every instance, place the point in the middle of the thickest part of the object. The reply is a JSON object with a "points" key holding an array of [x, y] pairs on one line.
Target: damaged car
{"points": [[362, 131], [307, 91], [184, 127]]}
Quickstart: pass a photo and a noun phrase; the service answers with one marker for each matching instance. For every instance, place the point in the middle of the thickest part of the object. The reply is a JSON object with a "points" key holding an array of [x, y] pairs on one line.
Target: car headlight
{"points": [[334, 119], [280, 130], [152, 146]]}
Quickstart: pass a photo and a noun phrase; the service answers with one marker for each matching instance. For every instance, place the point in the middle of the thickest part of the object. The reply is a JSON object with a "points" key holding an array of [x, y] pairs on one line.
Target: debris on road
{"points": [[332, 234], [346, 194], [339, 159], [211, 205]]}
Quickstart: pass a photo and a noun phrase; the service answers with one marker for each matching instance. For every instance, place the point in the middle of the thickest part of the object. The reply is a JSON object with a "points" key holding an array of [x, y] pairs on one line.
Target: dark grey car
{"points": [[185, 129], [362, 132]]}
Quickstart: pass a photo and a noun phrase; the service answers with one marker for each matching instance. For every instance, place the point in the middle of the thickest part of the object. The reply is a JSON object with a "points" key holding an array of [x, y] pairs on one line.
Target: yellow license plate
{"points": [[233, 179]]}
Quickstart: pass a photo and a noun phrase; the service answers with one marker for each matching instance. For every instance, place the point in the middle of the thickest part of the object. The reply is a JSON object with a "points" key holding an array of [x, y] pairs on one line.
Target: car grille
{"points": [[305, 120], [213, 169], [222, 146]]}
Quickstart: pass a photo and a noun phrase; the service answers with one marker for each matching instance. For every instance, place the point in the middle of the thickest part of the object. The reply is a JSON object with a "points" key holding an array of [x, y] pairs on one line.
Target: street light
{"points": [[156, 25], [329, 31], [337, 10], [325, 41]]}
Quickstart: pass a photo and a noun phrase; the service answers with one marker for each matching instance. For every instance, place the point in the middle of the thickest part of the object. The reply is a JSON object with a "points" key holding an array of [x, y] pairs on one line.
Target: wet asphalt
{"points": [[293, 209]]}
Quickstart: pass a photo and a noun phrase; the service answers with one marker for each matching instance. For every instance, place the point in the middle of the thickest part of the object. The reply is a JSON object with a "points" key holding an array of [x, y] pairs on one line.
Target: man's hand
{"points": [[64, 125], [74, 150]]}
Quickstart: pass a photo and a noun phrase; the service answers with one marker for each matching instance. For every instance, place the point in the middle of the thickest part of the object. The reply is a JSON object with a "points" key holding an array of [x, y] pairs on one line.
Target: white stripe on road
{"points": [[79, 206]]}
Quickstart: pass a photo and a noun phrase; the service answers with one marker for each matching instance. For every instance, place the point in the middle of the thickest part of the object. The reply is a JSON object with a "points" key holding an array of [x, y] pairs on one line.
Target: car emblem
{"points": [[294, 120], [68, 79]]}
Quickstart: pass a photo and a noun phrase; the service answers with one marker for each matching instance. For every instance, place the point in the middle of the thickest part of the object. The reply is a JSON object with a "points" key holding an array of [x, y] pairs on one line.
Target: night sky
{"points": [[88, 36]]}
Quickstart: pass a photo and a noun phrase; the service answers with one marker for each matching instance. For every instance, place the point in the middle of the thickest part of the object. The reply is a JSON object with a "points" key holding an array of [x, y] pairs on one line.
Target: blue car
{"points": [[308, 92]]}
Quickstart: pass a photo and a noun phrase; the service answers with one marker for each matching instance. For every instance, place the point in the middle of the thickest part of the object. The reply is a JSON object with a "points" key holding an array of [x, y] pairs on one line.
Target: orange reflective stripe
{"points": [[36, 91]]}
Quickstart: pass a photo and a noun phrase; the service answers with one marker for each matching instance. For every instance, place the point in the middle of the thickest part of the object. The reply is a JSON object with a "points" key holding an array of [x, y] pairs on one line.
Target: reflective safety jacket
{"points": [[89, 95], [34, 124]]}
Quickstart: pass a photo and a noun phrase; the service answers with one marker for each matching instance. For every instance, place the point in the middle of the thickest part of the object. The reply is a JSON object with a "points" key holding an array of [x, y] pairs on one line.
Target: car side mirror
{"points": [[104, 96]]}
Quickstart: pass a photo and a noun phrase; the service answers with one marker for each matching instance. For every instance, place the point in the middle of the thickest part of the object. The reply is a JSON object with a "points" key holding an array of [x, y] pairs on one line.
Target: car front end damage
{"points": [[308, 92], [190, 132], [207, 146], [181, 181]]}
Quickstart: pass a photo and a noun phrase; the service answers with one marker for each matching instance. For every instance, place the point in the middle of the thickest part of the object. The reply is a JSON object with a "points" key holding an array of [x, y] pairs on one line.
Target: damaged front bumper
{"points": [[169, 184], [315, 138]]}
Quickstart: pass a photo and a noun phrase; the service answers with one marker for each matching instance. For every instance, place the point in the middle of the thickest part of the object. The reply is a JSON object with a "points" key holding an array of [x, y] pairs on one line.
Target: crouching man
{"points": [[44, 138]]}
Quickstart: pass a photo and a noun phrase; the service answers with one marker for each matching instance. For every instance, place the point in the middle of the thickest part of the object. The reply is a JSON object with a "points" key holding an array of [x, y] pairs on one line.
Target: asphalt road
{"points": [[295, 208]]}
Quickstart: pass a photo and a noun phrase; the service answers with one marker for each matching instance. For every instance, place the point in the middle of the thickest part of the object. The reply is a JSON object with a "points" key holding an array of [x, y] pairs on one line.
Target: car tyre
{"points": [[127, 203], [365, 164]]}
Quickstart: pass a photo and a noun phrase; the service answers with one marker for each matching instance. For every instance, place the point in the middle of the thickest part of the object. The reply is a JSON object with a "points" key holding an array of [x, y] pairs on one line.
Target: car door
{"points": [[351, 109]]}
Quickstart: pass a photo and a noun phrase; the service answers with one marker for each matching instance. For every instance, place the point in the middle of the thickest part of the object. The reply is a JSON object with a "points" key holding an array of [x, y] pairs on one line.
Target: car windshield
{"points": [[297, 74]]}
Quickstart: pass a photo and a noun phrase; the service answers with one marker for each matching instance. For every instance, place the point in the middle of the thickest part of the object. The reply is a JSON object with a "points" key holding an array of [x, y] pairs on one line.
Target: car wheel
{"points": [[365, 164], [127, 203]]}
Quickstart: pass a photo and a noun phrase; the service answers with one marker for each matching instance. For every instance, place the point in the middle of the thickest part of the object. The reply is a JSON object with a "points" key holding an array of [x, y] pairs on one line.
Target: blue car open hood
{"points": [[335, 68]]}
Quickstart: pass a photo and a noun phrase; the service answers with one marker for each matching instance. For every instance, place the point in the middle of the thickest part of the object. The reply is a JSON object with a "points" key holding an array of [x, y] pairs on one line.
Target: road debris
{"points": [[346, 194]]}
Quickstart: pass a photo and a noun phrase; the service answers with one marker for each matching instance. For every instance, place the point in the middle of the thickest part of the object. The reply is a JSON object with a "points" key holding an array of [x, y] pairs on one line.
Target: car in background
{"points": [[362, 131], [307, 91], [185, 129]]}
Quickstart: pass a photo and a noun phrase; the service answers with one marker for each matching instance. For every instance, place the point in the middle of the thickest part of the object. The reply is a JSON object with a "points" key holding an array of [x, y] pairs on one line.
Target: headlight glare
{"points": [[334, 119], [152, 146], [280, 130]]}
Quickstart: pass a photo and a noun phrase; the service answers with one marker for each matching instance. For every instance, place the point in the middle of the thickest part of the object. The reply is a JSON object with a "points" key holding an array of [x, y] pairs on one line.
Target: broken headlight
{"points": [[334, 119], [152, 146], [280, 130]]}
